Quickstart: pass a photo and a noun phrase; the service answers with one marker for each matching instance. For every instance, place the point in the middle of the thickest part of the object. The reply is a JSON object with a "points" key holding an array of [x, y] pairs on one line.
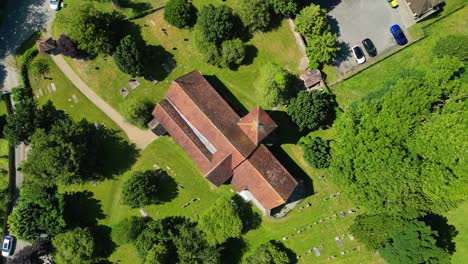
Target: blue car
{"points": [[398, 35]]}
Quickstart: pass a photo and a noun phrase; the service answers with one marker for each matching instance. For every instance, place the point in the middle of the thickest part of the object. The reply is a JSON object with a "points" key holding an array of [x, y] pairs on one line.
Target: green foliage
{"points": [[312, 23], [39, 212], [128, 57], [155, 233], [269, 253], [39, 66], [413, 243], [374, 230], [400, 151], [21, 125], [74, 247], [210, 52], [138, 111], [180, 13], [452, 45], [93, 30], [216, 23], [157, 255], [255, 14], [232, 52], [316, 152], [284, 7], [273, 82], [310, 109], [142, 188], [71, 152], [221, 221], [128, 229], [192, 248]]}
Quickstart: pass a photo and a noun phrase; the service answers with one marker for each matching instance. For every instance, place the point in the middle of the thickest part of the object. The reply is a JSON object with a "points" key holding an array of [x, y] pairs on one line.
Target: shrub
{"points": [[74, 247], [128, 229], [269, 253], [255, 14], [233, 52], [180, 13], [272, 83], [310, 109], [216, 24], [39, 66], [142, 188], [67, 47], [316, 152], [452, 45], [128, 58], [137, 111]]}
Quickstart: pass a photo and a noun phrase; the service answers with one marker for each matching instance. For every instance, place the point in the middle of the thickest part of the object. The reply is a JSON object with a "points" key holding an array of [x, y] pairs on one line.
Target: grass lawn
{"points": [[457, 218], [416, 56]]}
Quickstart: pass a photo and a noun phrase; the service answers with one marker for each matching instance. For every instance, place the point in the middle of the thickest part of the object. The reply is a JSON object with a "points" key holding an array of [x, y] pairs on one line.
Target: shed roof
{"points": [[420, 7], [311, 77], [46, 45]]}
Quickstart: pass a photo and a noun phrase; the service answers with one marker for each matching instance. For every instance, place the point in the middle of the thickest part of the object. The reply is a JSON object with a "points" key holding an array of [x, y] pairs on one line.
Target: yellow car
{"points": [[393, 3]]}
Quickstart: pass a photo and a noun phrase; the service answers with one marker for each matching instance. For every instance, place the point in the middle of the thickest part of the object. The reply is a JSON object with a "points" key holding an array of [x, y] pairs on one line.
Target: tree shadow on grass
{"points": [[446, 232], [158, 62], [291, 255], [118, 154], [251, 53], [287, 132], [233, 250], [167, 189], [251, 220], [104, 246], [82, 209], [226, 95]]}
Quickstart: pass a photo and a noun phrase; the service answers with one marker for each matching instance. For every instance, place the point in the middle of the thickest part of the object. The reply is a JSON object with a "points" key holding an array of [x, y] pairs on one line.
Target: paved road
{"points": [[23, 18], [141, 138]]}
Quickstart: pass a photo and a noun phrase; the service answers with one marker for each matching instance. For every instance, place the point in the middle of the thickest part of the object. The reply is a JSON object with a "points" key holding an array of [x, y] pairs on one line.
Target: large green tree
{"points": [[310, 109], [94, 31], [273, 83], [128, 57], [284, 7], [128, 229], [316, 152], [192, 248], [71, 152], [180, 13], [138, 111], [216, 23], [255, 14], [401, 150], [142, 188], [232, 52], [413, 243], [269, 253], [39, 212], [74, 247], [221, 221]]}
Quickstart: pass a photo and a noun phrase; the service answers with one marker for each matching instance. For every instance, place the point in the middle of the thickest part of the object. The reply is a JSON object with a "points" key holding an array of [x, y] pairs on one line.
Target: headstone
{"points": [[142, 212], [53, 87]]}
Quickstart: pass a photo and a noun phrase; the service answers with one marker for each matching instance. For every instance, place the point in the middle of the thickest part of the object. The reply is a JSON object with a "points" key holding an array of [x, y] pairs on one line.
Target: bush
{"points": [[452, 45], [210, 52], [255, 14], [67, 47], [138, 111], [128, 229], [310, 109], [142, 188], [284, 7], [74, 247], [128, 58], [233, 52], [316, 152], [272, 83], [269, 253], [180, 13], [216, 24], [39, 66]]}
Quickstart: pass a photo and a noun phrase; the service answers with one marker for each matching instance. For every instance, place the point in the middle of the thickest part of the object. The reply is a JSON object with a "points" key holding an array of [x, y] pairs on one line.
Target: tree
{"points": [[374, 230], [310, 109], [74, 247], [30, 254], [128, 58], [210, 52], [216, 24], [413, 243], [452, 45], [180, 13], [137, 111], [284, 7], [273, 82], [21, 125], [67, 47], [221, 221], [39, 212], [157, 255], [71, 152], [312, 23], [316, 152], [192, 248], [39, 66], [93, 30], [255, 14], [399, 151], [142, 188], [269, 253], [233, 52], [128, 229]]}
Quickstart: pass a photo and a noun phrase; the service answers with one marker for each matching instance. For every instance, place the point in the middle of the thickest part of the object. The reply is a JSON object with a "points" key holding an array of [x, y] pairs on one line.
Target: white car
{"points": [[7, 245], [54, 4], [359, 54]]}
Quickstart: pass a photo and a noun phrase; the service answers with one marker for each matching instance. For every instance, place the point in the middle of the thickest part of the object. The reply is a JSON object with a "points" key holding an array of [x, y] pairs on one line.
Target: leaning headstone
{"points": [[142, 212], [316, 252]]}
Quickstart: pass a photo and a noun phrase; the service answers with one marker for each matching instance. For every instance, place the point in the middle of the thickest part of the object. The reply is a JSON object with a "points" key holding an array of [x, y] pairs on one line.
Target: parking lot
{"points": [[355, 20]]}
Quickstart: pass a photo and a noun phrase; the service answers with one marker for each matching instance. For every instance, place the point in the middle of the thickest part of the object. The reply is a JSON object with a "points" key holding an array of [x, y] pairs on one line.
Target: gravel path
{"points": [[139, 137]]}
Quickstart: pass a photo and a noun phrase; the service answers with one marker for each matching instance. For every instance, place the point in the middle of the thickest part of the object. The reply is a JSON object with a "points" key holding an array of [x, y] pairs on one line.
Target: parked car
{"points": [[7, 245], [54, 4], [398, 34], [359, 55], [369, 46]]}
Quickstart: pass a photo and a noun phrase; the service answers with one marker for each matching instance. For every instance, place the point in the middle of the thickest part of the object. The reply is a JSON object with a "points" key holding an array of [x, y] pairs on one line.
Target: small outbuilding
{"points": [[46, 46], [423, 8], [313, 79]]}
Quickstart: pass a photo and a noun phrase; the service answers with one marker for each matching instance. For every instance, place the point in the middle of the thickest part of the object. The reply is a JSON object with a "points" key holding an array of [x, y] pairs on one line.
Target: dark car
{"points": [[398, 35], [370, 48]]}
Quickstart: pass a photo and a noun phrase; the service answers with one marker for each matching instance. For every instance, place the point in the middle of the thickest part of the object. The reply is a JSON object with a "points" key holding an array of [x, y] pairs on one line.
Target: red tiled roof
{"points": [[257, 125]]}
